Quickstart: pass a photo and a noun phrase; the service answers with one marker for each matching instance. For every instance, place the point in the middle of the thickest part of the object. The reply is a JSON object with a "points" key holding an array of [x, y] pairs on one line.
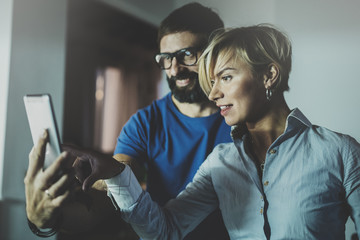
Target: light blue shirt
{"points": [[310, 186]]}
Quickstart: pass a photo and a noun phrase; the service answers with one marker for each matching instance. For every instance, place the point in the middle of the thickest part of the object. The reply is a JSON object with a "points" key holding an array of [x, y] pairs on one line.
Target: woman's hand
{"points": [[47, 190], [91, 166]]}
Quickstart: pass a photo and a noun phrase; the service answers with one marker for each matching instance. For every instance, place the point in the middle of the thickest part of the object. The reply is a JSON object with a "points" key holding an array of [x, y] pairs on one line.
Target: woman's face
{"points": [[240, 96]]}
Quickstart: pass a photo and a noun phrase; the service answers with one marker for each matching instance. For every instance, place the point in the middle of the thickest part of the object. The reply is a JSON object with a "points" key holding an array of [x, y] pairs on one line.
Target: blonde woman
{"points": [[281, 178]]}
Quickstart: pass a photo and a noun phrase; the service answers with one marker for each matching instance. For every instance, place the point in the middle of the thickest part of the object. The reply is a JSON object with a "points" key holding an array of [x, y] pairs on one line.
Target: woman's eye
{"points": [[212, 82], [226, 78]]}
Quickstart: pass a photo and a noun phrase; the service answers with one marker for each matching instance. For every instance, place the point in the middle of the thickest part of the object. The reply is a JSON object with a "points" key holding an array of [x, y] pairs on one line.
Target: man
{"points": [[172, 137]]}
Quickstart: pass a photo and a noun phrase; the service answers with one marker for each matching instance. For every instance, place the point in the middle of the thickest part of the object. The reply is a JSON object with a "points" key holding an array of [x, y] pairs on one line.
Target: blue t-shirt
{"points": [[170, 144]]}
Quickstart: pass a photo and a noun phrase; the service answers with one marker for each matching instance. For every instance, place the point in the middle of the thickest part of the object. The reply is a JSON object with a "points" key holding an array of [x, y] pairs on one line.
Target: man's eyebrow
{"points": [[223, 70], [182, 49]]}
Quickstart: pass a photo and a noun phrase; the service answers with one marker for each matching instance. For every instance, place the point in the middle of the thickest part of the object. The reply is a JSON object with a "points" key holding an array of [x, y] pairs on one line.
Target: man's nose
{"points": [[174, 69]]}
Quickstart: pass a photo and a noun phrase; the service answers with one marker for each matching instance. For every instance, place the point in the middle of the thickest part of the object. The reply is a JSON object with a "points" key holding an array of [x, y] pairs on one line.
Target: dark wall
{"points": [[99, 36]]}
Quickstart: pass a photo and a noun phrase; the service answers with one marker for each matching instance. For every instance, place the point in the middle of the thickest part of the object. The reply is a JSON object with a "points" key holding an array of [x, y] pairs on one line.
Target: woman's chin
{"points": [[230, 122]]}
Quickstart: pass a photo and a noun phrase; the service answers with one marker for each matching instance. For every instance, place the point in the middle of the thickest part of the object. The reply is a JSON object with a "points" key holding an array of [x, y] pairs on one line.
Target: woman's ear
{"points": [[271, 76]]}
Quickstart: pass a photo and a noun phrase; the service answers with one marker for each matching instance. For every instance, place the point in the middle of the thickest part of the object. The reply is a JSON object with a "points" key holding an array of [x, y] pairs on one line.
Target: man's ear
{"points": [[271, 76]]}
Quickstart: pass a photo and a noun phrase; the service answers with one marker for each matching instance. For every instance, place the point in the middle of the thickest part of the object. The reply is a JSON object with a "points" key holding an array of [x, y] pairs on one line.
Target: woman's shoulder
{"points": [[222, 152], [328, 134], [331, 140]]}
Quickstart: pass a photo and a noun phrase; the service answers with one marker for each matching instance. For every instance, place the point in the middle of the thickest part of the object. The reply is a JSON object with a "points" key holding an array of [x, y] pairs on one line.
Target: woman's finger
{"points": [[60, 166], [58, 191], [59, 200], [37, 155]]}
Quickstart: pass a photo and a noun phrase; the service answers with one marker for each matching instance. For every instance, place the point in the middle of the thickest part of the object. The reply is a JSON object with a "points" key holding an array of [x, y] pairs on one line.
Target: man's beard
{"points": [[190, 93]]}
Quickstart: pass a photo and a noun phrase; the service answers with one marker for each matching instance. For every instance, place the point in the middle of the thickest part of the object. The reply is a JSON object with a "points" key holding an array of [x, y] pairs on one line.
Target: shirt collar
{"points": [[295, 119]]}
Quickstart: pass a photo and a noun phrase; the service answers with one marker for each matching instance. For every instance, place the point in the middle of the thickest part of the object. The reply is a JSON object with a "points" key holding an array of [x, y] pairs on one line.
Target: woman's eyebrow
{"points": [[223, 70]]}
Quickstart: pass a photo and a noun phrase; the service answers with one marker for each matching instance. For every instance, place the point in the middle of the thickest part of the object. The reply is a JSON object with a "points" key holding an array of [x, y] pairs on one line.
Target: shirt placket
{"points": [[266, 176], [267, 181]]}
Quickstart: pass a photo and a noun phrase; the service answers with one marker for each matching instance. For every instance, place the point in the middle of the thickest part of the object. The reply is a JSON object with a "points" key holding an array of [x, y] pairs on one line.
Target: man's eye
{"points": [[188, 53]]}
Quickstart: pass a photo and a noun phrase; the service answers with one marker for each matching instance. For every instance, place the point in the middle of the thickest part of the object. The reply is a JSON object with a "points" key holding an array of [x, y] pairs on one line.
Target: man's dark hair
{"points": [[192, 17]]}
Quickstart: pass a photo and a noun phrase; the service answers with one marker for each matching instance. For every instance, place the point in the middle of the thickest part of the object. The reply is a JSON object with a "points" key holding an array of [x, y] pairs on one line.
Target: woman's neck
{"points": [[267, 129]]}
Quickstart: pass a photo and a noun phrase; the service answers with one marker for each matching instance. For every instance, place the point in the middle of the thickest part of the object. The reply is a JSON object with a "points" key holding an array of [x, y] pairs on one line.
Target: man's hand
{"points": [[91, 166], [46, 191]]}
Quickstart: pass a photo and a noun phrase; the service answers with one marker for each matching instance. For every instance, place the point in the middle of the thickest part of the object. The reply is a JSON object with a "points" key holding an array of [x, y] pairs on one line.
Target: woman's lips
{"points": [[224, 109]]}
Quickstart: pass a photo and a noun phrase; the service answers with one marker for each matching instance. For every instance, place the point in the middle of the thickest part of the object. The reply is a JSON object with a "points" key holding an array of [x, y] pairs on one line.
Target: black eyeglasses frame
{"points": [[176, 54]]}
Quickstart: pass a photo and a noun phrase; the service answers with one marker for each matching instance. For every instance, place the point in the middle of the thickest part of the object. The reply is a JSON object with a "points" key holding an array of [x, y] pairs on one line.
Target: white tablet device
{"points": [[41, 116]]}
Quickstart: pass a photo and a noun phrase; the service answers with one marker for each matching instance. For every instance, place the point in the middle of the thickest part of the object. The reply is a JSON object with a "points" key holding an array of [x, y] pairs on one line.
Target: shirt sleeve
{"points": [[352, 181], [173, 221], [132, 140], [124, 189]]}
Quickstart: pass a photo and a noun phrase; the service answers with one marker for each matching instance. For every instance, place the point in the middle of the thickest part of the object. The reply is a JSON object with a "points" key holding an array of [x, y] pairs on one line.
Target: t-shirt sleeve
{"points": [[132, 140]]}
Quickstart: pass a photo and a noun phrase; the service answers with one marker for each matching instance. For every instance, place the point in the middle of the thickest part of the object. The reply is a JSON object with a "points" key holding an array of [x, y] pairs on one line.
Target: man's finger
{"points": [[37, 154]]}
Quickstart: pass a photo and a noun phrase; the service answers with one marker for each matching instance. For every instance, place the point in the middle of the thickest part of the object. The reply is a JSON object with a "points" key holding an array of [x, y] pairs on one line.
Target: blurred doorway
{"points": [[110, 72]]}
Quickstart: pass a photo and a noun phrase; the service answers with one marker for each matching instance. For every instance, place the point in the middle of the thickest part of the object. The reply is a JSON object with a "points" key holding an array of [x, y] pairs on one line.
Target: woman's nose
{"points": [[215, 93]]}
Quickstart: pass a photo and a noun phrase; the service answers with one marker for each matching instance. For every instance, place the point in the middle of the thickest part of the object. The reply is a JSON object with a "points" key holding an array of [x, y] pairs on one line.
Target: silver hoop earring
{"points": [[268, 94]]}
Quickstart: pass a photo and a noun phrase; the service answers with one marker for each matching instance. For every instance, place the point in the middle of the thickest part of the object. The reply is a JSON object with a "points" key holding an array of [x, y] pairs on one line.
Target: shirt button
{"points": [[266, 183], [261, 211], [272, 151]]}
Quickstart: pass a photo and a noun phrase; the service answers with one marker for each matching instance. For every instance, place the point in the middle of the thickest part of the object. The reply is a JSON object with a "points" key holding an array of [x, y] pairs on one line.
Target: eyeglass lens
{"points": [[187, 56]]}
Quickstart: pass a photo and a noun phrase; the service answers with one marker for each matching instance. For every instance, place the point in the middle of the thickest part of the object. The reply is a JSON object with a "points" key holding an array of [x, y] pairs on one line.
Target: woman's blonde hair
{"points": [[258, 46]]}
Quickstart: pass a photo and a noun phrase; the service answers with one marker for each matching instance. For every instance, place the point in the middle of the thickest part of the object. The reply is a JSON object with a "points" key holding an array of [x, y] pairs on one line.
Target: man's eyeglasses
{"points": [[186, 56]]}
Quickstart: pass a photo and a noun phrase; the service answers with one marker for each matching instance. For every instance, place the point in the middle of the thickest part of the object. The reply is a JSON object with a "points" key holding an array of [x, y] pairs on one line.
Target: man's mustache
{"points": [[186, 75]]}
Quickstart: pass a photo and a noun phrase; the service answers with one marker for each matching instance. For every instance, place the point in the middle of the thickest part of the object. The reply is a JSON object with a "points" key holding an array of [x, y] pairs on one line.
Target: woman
{"points": [[282, 178], [308, 176], [253, 71]]}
